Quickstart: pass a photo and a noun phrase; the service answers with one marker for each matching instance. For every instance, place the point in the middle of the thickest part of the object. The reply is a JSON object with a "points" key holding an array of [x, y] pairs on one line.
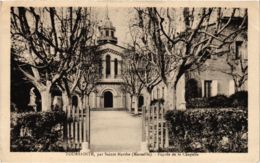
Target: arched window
{"points": [[108, 99], [116, 67], [74, 101], [163, 92], [108, 65]]}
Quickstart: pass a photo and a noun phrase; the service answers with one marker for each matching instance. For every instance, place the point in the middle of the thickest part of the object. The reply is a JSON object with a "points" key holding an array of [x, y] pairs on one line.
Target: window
{"points": [[163, 92], [158, 93], [238, 49], [107, 65], [112, 33], [116, 67], [100, 68], [207, 88], [107, 33]]}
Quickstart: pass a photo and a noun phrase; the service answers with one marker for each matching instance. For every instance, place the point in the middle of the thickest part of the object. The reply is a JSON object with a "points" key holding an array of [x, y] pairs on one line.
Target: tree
{"points": [[132, 84], [90, 75], [238, 71], [48, 41], [178, 40], [237, 63], [83, 64]]}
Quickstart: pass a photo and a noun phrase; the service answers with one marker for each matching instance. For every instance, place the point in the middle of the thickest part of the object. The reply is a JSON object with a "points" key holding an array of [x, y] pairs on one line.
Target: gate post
{"points": [[144, 143], [85, 146]]}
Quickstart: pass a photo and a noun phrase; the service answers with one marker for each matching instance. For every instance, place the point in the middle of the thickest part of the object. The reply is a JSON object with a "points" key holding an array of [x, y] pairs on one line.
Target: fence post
{"points": [[162, 128], [144, 144], [80, 125], [69, 125], [148, 125], [76, 126], [84, 112], [152, 143], [65, 130], [143, 123], [166, 145], [157, 127]]}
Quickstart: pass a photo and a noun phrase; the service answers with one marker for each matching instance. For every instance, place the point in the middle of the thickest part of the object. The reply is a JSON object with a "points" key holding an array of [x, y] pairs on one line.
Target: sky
{"points": [[121, 16]]}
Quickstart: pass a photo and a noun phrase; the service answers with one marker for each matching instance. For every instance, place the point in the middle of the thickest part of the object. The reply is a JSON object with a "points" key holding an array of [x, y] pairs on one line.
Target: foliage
{"points": [[238, 99], [37, 131], [197, 103], [218, 101], [208, 130]]}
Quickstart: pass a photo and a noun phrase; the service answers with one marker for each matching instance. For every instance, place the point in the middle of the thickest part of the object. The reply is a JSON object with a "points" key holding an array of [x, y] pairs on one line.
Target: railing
{"points": [[77, 128], [154, 127]]}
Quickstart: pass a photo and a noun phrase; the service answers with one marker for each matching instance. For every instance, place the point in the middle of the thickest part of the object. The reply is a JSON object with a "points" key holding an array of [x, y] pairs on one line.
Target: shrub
{"points": [[37, 131], [218, 101], [239, 99], [197, 103], [208, 130]]}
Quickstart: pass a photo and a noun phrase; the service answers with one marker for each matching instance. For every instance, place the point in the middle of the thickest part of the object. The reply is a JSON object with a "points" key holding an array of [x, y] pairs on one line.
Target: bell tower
{"points": [[107, 31]]}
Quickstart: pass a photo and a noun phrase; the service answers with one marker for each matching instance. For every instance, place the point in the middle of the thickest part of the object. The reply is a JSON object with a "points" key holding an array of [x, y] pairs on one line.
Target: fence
{"points": [[77, 127], [154, 127]]}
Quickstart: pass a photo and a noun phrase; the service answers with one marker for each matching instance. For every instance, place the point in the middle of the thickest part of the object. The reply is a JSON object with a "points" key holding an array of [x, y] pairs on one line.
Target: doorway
{"points": [[140, 101], [108, 99]]}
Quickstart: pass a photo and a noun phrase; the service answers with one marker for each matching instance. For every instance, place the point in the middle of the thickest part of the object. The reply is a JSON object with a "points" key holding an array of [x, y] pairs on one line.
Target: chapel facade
{"points": [[108, 93]]}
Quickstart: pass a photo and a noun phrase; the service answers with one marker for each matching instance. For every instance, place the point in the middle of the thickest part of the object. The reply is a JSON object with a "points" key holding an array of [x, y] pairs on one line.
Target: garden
{"points": [[37, 131], [216, 124]]}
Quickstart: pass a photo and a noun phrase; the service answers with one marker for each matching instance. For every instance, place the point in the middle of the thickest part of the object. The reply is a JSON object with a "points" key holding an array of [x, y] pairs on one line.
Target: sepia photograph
{"points": [[129, 79]]}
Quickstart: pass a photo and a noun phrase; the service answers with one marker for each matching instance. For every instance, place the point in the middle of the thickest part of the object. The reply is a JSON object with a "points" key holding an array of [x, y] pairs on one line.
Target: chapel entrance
{"points": [[108, 99]]}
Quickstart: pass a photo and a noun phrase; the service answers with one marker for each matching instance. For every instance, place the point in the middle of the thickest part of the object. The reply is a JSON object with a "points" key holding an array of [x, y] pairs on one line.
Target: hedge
{"points": [[238, 100], [208, 130], [37, 131]]}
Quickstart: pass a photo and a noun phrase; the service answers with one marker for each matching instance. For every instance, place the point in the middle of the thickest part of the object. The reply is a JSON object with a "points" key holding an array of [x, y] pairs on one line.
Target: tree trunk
{"points": [[66, 100], [149, 99], [46, 99], [131, 103], [82, 102], [136, 104], [174, 98], [88, 104]]}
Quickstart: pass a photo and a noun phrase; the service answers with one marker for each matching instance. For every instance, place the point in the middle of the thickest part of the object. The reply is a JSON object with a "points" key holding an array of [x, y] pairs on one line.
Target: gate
{"points": [[154, 127], [77, 129]]}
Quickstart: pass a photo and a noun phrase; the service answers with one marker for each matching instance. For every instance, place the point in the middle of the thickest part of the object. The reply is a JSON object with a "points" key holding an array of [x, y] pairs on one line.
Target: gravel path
{"points": [[115, 131]]}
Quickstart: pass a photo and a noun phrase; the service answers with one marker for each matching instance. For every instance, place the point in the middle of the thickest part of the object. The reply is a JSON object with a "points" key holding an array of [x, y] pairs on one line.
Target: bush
{"points": [[197, 103], [37, 131], [208, 130], [218, 101], [239, 99]]}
